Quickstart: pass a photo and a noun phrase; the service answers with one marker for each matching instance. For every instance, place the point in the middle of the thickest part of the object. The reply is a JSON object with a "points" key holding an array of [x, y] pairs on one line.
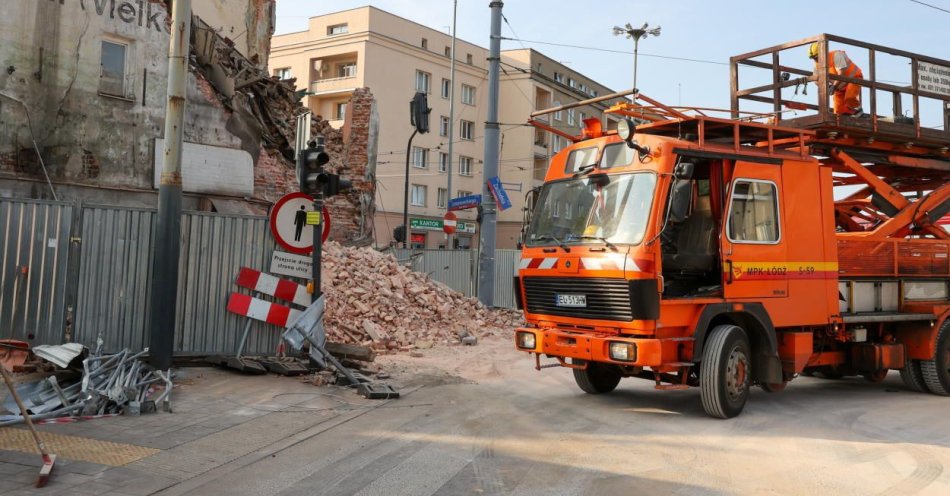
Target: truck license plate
{"points": [[570, 300]]}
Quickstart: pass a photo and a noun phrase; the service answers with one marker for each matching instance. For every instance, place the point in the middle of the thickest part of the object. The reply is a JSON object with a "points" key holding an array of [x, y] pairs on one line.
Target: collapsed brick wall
{"points": [[352, 155]]}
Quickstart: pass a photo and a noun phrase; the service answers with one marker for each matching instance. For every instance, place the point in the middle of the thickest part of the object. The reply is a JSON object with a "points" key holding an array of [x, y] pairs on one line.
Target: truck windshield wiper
{"points": [[583, 170], [552, 238], [602, 239]]}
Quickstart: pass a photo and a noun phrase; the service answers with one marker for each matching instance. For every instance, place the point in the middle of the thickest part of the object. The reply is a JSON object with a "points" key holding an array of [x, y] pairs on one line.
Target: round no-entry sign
{"points": [[292, 220], [449, 222]]}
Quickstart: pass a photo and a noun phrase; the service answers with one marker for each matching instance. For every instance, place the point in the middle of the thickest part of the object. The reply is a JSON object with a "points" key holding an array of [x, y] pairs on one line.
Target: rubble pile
{"points": [[108, 384], [374, 301]]}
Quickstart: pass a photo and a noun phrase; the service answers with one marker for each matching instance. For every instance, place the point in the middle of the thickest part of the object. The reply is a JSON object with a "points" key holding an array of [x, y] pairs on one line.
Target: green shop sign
{"points": [[426, 224]]}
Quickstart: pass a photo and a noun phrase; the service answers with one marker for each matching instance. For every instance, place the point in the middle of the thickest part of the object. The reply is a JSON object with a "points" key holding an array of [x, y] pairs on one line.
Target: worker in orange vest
{"points": [[847, 96]]}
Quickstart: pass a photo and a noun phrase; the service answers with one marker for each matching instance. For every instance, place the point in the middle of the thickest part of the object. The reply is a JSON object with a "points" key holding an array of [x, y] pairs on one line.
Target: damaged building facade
{"points": [[83, 95], [82, 108]]}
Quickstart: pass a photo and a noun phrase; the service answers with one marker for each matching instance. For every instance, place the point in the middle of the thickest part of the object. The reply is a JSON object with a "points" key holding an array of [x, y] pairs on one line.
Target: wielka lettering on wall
{"points": [[143, 13]]}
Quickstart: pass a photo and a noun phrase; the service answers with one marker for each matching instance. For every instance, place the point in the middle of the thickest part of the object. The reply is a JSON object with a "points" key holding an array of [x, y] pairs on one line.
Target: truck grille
{"points": [[607, 299]]}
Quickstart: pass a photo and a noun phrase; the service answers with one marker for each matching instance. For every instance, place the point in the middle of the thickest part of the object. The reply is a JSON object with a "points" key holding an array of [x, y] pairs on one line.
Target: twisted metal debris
{"points": [[110, 384]]}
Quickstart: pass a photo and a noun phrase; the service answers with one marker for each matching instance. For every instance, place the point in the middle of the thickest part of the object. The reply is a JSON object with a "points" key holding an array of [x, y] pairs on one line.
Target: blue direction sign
{"points": [[464, 202], [498, 191]]}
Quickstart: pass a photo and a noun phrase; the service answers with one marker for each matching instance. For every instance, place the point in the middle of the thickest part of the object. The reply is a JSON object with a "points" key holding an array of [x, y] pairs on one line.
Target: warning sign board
{"points": [[290, 223]]}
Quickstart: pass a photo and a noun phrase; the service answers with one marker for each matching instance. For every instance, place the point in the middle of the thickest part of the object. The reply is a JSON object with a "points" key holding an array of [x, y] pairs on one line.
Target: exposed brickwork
{"points": [[90, 164], [353, 211], [274, 176]]}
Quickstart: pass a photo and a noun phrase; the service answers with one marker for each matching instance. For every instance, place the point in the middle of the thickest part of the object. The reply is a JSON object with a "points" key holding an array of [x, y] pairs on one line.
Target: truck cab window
{"points": [[690, 247], [753, 215]]}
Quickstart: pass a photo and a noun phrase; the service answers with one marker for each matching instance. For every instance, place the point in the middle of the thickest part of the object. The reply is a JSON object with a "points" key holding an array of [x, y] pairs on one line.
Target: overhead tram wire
{"points": [[625, 52], [931, 6]]}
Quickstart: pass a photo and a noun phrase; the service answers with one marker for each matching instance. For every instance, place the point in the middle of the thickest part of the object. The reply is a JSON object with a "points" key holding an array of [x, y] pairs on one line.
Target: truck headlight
{"points": [[526, 340], [623, 352]]}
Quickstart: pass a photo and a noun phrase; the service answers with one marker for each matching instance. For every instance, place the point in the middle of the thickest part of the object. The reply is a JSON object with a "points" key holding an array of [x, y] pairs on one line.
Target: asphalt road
{"points": [[521, 432]]}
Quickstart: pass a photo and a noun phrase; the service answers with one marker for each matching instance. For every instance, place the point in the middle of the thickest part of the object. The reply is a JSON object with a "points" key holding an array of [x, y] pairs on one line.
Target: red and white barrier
{"points": [[273, 286], [258, 309]]}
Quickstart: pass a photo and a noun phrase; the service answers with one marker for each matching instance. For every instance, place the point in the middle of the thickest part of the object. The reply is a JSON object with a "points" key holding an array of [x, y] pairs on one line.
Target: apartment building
{"points": [[395, 57]]}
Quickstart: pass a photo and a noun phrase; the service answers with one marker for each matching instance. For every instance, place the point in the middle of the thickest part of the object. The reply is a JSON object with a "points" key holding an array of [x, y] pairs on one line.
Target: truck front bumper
{"points": [[608, 348]]}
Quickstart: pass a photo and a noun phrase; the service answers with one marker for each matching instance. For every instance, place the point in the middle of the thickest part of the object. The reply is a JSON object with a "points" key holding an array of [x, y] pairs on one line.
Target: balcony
{"points": [[333, 85]]}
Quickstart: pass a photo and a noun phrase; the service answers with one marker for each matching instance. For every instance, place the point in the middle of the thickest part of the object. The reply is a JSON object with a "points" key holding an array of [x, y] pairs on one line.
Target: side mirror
{"points": [[684, 170], [680, 197]]}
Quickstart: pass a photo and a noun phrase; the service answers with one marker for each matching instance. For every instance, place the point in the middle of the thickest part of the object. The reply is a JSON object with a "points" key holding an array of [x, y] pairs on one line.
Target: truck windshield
{"points": [[593, 209]]}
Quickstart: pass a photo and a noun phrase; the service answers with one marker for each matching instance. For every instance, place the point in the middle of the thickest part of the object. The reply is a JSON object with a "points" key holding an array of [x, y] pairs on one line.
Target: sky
{"points": [[704, 30]]}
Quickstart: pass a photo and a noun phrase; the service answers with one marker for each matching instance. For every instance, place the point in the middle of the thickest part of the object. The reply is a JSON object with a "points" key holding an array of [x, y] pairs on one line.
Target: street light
{"points": [[636, 34]]}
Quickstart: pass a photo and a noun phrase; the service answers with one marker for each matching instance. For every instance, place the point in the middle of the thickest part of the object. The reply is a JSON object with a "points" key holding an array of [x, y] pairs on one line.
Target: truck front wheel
{"points": [[597, 378], [936, 372], [726, 371]]}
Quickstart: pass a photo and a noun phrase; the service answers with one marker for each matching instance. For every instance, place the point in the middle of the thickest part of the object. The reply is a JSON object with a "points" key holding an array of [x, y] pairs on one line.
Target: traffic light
{"points": [[419, 112], [313, 179], [310, 162]]}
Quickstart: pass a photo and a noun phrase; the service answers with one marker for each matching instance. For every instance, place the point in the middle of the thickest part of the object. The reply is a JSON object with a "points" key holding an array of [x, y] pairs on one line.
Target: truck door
{"points": [[753, 248]]}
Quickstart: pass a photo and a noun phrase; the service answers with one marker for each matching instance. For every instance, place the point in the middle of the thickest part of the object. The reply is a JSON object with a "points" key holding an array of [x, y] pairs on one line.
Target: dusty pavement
{"points": [[480, 420]]}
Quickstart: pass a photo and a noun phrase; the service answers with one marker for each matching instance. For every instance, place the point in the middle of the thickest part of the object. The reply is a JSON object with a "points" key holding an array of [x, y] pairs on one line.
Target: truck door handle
{"points": [[729, 271]]}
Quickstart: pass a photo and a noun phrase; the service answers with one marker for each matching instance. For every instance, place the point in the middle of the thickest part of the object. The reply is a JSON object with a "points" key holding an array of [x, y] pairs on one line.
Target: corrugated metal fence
{"points": [[34, 240], [71, 272], [457, 269]]}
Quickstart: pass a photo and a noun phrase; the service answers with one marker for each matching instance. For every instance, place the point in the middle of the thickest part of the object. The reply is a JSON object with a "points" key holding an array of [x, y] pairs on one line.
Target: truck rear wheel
{"points": [[597, 378], [913, 377], [936, 372], [725, 373]]}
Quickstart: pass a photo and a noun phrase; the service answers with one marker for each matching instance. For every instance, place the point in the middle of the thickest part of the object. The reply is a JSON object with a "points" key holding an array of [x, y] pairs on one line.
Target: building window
{"points": [[558, 115], [425, 44], [282, 73], [340, 110], [346, 70], [467, 130], [423, 81], [580, 118], [419, 195], [570, 117], [443, 162], [420, 157], [753, 217], [112, 68], [441, 197], [448, 51], [540, 169], [418, 241], [468, 59], [446, 87], [559, 77], [462, 193], [337, 29], [557, 144], [468, 94], [465, 166], [571, 82], [443, 126]]}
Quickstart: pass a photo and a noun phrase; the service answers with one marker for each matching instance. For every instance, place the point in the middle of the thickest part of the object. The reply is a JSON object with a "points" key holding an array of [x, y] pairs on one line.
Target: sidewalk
{"points": [[219, 416]]}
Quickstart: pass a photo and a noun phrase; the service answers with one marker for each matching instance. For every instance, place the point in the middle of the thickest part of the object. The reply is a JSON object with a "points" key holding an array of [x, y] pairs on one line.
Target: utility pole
{"points": [[448, 191], [486, 253], [167, 248]]}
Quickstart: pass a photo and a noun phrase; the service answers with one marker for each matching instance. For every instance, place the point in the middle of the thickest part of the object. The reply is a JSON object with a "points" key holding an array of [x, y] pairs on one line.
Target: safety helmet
{"points": [[813, 50]]}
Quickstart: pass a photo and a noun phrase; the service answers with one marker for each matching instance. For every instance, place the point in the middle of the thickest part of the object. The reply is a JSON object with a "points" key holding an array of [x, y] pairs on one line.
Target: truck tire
{"points": [[936, 372], [597, 378], [913, 377], [725, 372]]}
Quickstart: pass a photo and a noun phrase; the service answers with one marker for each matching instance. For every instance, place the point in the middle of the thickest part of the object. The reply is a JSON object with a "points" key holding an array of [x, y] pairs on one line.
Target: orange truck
{"points": [[726, 252]]}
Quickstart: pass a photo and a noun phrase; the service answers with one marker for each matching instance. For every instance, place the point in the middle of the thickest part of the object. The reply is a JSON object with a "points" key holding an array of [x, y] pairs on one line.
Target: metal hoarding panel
{"points": [[214, 248], [34, 254], [115, 265]]}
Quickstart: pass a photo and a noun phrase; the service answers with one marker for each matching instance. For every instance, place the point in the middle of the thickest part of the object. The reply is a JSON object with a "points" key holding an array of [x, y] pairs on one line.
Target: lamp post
{"points": [[636, 34]]}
